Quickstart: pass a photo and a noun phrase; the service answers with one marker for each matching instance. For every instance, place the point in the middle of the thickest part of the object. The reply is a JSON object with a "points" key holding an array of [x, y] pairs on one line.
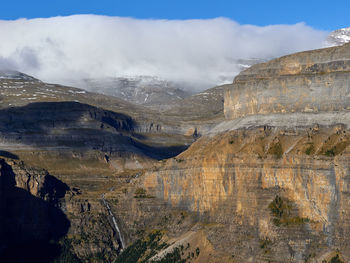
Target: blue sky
{"points": [[325, 15]]}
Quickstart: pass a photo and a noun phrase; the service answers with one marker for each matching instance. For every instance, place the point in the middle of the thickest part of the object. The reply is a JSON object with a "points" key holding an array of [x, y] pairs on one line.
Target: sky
{"points": [[196, 43], [319, 14]]}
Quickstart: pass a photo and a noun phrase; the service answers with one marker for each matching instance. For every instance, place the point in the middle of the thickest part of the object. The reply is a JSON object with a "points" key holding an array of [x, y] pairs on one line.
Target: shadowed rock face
{"points": [[43, 116], [31, 219], [74, 125], [312, 81]]}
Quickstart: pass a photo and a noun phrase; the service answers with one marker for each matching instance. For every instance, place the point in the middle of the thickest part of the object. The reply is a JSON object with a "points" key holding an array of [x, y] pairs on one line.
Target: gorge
{"points": [[258, 172]]}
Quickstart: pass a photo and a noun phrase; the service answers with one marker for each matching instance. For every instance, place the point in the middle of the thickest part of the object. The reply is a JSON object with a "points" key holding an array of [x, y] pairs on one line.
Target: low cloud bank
{"points": [[201, 52]]}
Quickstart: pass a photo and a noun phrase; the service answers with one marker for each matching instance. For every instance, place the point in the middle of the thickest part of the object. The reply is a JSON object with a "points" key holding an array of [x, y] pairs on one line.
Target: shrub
{"points": [[336, 259], [143, 249], [310, 149], [67, 253], [281, 209], [140, 193], [197, 251], [276, 150], [330, 152]]}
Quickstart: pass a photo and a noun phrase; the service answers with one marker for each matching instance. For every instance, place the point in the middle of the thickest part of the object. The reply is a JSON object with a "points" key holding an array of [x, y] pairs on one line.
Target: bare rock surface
{"points": [[270, 183], [313, 81]]}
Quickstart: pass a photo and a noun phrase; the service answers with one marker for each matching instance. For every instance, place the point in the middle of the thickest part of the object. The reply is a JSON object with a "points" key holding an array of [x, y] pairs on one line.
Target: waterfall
{"points": [[120, 240]]}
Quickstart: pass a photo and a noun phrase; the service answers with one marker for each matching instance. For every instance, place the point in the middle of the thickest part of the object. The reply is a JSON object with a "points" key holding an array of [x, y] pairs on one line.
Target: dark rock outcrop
{"points": [[73, 125], [31, 222]]}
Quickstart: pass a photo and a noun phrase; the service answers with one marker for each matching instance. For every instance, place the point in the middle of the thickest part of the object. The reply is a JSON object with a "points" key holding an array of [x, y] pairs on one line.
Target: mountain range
{"points": [[256, 170], [160, 94]]}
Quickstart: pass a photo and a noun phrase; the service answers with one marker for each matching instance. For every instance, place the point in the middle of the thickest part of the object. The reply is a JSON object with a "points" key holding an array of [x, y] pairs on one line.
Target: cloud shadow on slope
{"points": [[77, 126]]}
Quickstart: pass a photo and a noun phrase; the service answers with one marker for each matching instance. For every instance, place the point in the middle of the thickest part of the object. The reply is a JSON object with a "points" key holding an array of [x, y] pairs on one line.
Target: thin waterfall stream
{"points": [[119, 238]]}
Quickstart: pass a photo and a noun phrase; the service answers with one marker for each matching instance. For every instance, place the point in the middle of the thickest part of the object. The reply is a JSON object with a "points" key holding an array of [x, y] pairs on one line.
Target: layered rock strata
{"points": [[233, 180], [272, 180], [314, 81]]}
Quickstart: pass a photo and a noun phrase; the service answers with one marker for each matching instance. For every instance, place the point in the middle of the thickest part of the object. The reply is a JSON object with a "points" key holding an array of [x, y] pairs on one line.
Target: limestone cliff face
{"points": [[278, 192], [263, 191], [312, 81], [234, 179]]}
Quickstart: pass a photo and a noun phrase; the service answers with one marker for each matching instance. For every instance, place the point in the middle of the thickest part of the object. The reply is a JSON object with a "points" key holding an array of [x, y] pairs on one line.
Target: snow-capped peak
{"points": [[12, 74], [339, 37]]}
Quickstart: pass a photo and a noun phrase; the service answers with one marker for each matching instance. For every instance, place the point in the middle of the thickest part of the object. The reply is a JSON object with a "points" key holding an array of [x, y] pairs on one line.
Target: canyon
{"points": [[271, 180], [253, 171]]}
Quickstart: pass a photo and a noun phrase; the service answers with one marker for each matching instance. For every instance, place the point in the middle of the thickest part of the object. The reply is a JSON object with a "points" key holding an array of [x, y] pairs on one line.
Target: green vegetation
{"points": [[276, 150], [142, 249], [93, 232], [310, 149], [231, 142], [266, 244], [183, 215], [310, 257], [278, 207], [197, 251], [172, 257], [141, 193], [66, 253], [96, 257], [282, 210], [337, 148], [335, 259], [330, 152]]}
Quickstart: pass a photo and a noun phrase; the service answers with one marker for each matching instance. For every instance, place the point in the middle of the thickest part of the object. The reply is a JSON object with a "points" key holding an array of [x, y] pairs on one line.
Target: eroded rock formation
{"points": [[273, 180], [270, 183], [32, 221], [312, 81]]}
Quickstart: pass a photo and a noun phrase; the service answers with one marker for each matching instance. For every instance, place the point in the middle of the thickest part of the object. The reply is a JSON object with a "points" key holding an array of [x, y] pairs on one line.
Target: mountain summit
{"points": [[339, 37], [12, 74]]}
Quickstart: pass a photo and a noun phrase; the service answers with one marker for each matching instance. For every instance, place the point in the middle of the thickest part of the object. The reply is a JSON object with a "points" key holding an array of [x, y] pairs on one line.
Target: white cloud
{"points": [[202, 52]]}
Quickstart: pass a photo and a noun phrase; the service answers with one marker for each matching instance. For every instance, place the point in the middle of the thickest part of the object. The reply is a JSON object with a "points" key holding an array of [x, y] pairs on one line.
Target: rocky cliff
{"points": [[271, 183], [285, 188], [313, 81], [98, 146], [32, 220], [268, 184]]}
